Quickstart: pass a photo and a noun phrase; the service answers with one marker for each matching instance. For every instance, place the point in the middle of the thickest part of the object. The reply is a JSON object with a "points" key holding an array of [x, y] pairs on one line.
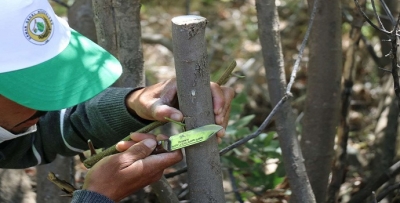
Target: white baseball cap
{"points": [[46, 65]]}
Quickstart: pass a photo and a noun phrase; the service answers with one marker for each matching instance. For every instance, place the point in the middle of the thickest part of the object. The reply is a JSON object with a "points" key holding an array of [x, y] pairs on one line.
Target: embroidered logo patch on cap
{"points": [[44, 64], [38, 27]]}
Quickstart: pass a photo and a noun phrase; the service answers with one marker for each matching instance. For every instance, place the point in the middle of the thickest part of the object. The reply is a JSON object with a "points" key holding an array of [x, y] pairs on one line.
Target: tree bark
{"points": [[351, 63], [268, 26], [322, 106], [119, 32], [80, 18], [195, 102]]}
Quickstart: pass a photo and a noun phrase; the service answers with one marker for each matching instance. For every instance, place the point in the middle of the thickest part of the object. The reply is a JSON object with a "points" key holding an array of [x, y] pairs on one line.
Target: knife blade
{"points": [[187, 138]]}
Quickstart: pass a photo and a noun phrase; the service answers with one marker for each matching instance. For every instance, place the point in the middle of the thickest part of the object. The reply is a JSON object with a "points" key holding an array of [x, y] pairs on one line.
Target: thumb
{"points": [[160, 111], [141, 149]]}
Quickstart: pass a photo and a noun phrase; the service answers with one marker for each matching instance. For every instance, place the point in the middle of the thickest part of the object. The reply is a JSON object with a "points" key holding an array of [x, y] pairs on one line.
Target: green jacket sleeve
{"points": [[104, 120]]}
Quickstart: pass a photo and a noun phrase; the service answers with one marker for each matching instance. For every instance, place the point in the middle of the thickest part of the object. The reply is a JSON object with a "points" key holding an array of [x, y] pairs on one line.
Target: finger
{"points": [[217, 97], [227, 114], [223, 118], [124, 145], [162, 111], [139, 150], [220, 134], [163, 160], [161, 137], [137, 137]]}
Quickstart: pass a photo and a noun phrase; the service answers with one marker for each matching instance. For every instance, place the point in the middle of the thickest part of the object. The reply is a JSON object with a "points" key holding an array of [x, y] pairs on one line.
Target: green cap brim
{"points": [[81, 71]]}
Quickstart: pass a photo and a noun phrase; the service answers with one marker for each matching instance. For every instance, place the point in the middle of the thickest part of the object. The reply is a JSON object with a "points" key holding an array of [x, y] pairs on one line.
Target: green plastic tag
{"points": [[193, 136]]}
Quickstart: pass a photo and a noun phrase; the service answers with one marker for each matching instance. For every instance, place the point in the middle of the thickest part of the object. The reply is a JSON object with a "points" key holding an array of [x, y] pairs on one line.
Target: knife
{"points": [[186, 138]]}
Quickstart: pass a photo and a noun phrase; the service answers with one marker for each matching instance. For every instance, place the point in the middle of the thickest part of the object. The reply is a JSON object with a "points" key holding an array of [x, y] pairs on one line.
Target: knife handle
{"points": [[161, 147]]}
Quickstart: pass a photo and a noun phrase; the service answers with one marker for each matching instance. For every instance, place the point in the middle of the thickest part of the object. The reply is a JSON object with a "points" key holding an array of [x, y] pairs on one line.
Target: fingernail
{"points": [[149, 143], [176, 117]]}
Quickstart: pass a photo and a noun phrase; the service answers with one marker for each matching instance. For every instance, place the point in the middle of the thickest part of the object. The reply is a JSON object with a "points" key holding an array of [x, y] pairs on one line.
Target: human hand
{"points": [[119, 175], [159, 101]]}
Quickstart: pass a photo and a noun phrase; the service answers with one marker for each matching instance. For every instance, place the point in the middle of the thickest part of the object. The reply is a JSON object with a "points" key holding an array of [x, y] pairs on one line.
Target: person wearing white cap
{"points": [[55, 95]]}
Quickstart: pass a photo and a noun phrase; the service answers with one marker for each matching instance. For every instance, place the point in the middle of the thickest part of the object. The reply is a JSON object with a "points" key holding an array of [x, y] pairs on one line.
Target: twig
{"points": [[226, 75], [62, 184], [387, 11], [89, 162], [157, 39], [91, 148], [368, 20], [296, 66], [374, 197], [386, 70], [386, 191], [258, 131], [395, 75], [376, 15], [377, 182], [234, 187]]}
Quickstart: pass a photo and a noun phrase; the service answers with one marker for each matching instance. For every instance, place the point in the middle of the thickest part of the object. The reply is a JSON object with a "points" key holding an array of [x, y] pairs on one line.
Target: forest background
{"points": [[364, 116]]}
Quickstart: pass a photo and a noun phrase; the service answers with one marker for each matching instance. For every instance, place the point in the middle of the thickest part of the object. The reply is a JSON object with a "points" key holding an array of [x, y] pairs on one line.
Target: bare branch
{"points": [[368, 20], [296, 66], [387, 11], [376, 183], [386, 191], [258, 131], [376, 15]]}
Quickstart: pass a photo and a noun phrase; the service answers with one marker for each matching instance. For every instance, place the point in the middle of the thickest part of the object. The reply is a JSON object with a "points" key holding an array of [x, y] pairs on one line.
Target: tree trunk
{"points": [[351, 63], [118, 31], [195, 102], [322, 106], [268, 26], [80, 18]]}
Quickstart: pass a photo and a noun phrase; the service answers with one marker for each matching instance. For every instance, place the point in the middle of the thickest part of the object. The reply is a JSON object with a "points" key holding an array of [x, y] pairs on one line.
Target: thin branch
{"points": [[296, 66], [258, 131], [377, 182], [376, 15], [91, 161], [395, 74], [386, 191], [387, 11], [234, 186], [368, 20], [157, 39], [386, 70], [374, 197]]}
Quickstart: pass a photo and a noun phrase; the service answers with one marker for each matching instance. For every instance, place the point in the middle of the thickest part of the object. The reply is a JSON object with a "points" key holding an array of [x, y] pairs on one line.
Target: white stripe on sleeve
{"points": [[37, 155], [62, 113]]}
